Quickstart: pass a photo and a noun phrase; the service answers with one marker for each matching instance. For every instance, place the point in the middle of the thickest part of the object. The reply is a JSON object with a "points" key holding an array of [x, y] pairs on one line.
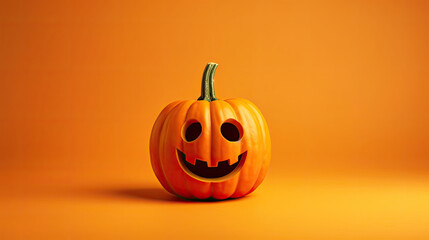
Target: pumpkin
{"points": [[210, 148]]}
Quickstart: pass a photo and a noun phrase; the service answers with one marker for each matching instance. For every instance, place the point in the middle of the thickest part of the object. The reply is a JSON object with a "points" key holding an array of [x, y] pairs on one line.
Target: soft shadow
{"points": [[144, 193], [148, 194]]}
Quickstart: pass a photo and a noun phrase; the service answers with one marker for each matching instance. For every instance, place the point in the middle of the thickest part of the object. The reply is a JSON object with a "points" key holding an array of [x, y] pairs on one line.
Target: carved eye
{"points": [[231, 130], [193, 131]]}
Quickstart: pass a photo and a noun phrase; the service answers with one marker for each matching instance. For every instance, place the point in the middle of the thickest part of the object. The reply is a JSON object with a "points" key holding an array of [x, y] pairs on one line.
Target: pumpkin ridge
{"points": [[166, 129], [222, 110], [266, 136], [238, 174], [186, 177], [242, 118], [255, 119], [154, 144]]}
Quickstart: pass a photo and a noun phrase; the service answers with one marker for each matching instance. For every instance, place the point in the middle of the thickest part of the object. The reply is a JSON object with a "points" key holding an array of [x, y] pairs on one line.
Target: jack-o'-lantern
{"points": [[210, 148]]}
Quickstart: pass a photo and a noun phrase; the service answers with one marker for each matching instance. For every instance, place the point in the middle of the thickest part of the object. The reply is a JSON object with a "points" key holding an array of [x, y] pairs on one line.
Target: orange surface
{"points": [[343, 86]]}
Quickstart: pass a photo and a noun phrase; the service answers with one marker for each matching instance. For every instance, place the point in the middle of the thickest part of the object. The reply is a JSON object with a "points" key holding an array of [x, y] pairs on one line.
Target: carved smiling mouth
{"points": [[202, 170]]}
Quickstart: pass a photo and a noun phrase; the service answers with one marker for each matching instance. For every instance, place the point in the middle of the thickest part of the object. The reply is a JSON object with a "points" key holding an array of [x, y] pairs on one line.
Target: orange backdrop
{"points": [[343, 85]]}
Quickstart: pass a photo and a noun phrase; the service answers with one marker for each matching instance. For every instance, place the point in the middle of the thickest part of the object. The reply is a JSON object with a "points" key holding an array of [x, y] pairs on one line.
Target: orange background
{"points": [[343, 85]]}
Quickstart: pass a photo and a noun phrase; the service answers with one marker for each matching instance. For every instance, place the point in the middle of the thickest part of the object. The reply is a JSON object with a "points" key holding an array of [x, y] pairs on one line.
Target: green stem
{"points": [[207, 85]]}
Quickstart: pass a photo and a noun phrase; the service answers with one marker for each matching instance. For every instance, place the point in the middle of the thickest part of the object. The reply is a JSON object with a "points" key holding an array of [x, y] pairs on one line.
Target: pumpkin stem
{"points": [[207, 85]]}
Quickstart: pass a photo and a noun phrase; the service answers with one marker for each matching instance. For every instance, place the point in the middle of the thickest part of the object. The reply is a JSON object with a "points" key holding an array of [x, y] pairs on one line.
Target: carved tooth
{"points": [[200, 164], [215, 164], [223, 164], [232, 161], [212, 164]]}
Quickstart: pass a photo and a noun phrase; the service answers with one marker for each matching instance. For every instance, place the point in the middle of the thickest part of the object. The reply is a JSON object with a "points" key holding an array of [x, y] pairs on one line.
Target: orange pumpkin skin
{"points": [[168, 141]]}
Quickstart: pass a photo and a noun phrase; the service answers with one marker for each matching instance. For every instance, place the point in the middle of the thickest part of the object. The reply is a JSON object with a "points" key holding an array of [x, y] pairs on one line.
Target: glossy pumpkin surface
{"points": [[210, 148]]}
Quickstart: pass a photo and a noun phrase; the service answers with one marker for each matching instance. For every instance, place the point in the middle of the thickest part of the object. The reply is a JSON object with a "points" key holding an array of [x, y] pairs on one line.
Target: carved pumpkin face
{"points": [[210, 148], [211, 169]]}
